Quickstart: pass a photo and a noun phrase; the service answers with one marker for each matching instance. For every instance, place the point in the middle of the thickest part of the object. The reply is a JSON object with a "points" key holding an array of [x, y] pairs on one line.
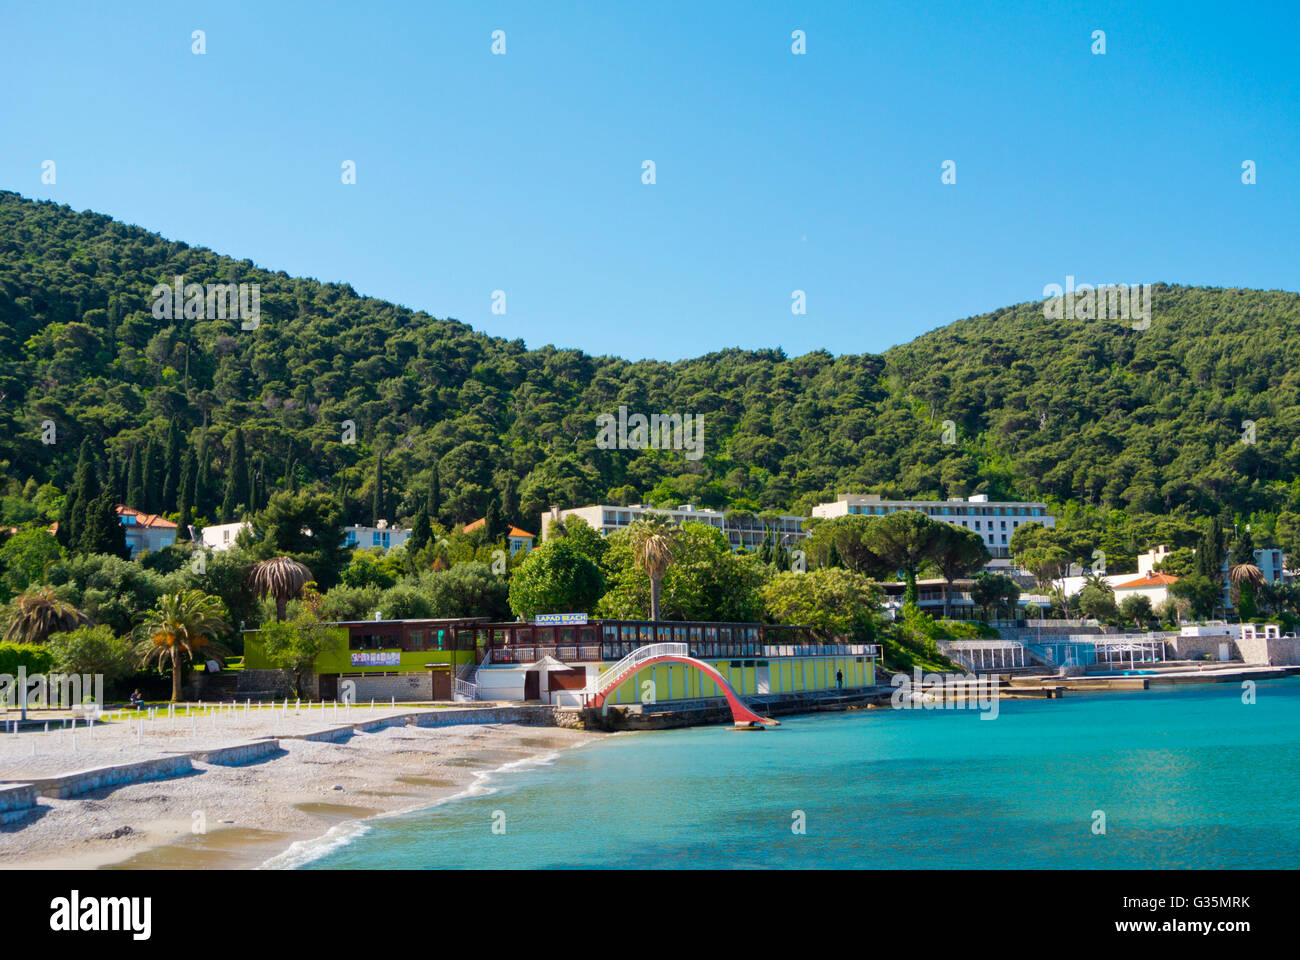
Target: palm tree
{"points": [[182, 625], [39, 612], [652, 538], [282, 578], [1244, 576]]}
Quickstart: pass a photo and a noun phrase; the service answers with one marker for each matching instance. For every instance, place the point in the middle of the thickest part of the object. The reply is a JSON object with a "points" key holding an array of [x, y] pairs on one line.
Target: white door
{"points": [[1225, 652], [761, 683]]}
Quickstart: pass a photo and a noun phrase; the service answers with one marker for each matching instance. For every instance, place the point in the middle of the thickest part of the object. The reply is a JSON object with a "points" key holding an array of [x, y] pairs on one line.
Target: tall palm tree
{"points": [[182, 625], [38, 612], [652, 537], [282, 578]]}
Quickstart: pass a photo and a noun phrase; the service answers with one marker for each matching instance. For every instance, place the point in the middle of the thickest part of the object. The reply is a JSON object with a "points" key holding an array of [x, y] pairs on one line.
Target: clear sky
{"points": [[775, 172]]}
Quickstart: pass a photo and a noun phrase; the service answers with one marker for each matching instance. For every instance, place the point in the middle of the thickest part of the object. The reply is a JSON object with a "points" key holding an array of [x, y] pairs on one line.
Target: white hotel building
{"points": [[742, 531], [994, 520]]}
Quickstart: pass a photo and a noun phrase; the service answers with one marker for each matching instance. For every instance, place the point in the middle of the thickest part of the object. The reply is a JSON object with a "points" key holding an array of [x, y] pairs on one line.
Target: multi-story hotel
{"points": [[742, 530], [994, 520]]}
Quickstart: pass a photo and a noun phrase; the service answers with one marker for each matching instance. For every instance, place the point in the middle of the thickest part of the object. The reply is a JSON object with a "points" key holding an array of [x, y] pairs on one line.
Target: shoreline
{"points": [[280, 811], [313, 793]]}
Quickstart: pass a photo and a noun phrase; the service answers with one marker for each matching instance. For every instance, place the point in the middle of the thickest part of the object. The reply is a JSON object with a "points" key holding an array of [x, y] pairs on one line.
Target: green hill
{"points": [[1085, 412]]}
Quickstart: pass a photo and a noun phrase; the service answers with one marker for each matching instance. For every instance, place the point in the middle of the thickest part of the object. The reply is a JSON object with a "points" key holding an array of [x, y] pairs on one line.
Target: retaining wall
{"points": [[83, 781], [239, 754], [16, 801]]}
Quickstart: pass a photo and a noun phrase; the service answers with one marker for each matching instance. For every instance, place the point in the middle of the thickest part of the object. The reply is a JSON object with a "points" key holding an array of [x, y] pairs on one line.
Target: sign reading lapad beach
{"points": [[380, 658], [560, 618]]}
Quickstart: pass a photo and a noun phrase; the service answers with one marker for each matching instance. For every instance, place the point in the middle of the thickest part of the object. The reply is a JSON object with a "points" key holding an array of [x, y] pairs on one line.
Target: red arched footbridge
{"points": [[653, 653]]}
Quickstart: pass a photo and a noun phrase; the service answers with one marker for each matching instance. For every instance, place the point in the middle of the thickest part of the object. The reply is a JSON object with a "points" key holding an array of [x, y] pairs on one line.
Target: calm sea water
{"points": [[1186, 776]]}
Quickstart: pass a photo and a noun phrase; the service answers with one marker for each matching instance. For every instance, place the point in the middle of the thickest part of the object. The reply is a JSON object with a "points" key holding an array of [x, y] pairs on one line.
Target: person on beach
{"points": [[137, 700], [839, 679]]}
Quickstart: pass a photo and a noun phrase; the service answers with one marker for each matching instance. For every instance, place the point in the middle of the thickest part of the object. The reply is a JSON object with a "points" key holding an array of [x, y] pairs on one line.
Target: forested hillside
{"points": [[1092, 413]]}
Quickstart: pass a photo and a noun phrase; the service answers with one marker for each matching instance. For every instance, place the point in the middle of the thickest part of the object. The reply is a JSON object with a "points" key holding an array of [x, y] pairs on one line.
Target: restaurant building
{"points": [[559, 662]]}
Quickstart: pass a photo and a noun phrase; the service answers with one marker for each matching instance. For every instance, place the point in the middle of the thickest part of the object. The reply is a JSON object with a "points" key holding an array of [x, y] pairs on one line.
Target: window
{"points": [[415, 640]]}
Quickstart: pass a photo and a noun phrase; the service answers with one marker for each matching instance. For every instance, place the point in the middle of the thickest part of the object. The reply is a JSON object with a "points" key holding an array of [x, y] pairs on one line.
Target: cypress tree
{"points": [[492, 522], [378, 503], [171, 468], [254, 484], [115, 485], [421, 531], [134, 481], [84, 489], [203, 478], [185, 496], [342, 493], [152, 477], [236, 480], [509, 500], [435, 494], [103, 531]]}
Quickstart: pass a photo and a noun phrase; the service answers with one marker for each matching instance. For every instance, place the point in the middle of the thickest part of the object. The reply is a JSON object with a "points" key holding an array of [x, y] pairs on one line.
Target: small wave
{"points": [[303, 852]]}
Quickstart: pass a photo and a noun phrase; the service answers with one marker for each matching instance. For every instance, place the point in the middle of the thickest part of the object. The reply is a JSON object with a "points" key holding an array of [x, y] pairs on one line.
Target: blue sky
{"points": [[775, 172]]}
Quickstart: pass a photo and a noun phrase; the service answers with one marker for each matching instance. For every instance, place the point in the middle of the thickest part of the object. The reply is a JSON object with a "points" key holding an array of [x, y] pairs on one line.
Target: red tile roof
{"points": [[514, 531], [1152, 579], [145, 519]]}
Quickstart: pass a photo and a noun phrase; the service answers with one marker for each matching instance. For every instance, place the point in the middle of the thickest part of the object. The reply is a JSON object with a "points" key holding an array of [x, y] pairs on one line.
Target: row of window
{"points": [[954, 511]]}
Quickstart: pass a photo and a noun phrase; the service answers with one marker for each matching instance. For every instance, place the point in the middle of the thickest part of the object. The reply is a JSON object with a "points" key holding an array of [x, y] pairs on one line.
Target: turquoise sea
{"points": [[1187, 777]]}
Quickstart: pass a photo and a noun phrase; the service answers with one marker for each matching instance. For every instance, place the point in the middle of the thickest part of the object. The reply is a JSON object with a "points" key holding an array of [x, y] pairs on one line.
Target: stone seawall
{"points": [[238, 754], [16, 801], [83, 781]]}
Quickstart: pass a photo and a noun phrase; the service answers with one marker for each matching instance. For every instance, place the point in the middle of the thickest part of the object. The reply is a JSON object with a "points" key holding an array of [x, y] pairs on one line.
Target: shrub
{"points": [[94, 650], [350, 603], [405, 602], [36, 657]]}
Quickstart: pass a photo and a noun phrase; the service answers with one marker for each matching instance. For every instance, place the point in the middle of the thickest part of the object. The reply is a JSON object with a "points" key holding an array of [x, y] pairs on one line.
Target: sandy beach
{"points": [[272, 811]]}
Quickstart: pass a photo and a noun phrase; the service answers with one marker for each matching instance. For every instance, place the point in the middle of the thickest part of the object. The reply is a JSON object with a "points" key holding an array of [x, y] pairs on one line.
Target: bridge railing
{"points": [[640, 655]]}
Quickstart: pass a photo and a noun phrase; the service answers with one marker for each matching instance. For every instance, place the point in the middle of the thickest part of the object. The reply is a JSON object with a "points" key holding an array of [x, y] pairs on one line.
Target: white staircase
{"points": [[640, 655], [465, 687]]}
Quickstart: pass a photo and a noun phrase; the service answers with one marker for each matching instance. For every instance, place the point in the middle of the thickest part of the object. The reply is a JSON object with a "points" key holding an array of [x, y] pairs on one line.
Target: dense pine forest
{"points": [[203, 419]]}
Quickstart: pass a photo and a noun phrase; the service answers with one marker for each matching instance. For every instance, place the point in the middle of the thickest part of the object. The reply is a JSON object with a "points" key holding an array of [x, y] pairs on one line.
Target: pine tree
{"points": [[103, 531], [236, 498], [135, 481]]}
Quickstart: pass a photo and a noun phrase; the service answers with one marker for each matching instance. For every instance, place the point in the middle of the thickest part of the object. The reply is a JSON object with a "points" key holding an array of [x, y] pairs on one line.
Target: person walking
{"points": [[839, 679]]}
